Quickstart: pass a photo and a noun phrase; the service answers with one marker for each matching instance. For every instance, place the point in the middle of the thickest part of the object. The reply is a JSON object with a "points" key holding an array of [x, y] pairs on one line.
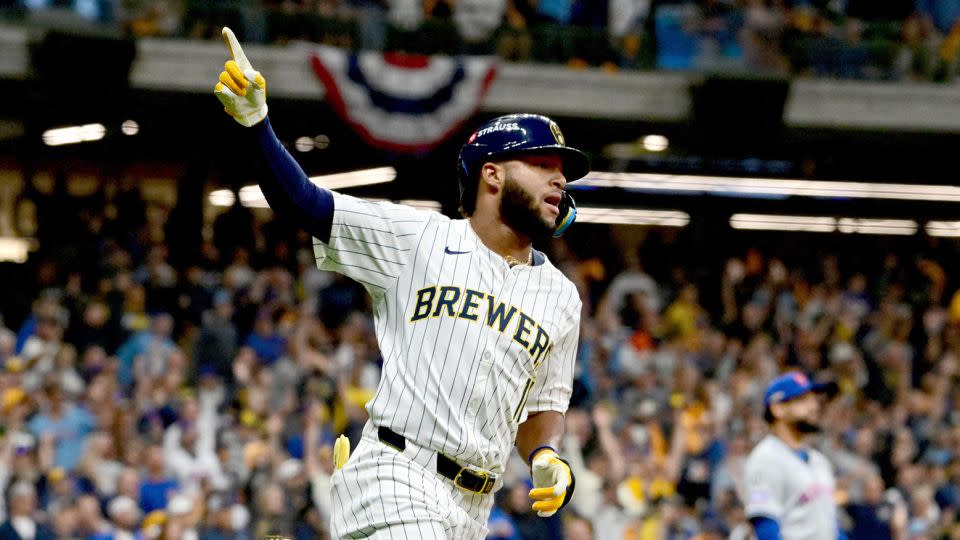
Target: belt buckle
{"points": [[479, 472]]}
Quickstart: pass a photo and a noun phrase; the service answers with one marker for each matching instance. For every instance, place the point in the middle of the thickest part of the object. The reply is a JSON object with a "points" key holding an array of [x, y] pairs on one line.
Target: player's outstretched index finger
{"points": [[236, 51]]}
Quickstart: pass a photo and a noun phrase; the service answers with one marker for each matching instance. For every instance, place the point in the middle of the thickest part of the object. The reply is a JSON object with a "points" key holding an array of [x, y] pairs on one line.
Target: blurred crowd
{"points": [[859, 39], [151, 393]]}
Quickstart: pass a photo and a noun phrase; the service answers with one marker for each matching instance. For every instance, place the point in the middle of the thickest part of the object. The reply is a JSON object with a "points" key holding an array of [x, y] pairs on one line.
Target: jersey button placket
{"points": [[476, 397]]}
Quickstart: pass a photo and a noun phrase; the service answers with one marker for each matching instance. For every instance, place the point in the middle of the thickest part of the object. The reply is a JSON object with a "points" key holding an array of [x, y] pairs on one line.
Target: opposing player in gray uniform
{"points": [[790, 486], [478, 330]]}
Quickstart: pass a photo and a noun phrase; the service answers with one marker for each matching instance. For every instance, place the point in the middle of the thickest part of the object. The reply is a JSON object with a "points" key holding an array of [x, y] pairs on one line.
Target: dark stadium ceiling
{"points": [[191, 128]]}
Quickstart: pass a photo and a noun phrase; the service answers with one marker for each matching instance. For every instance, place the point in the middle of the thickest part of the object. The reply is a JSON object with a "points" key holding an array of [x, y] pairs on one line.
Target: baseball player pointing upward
{"points": [[477, 329], [790, 486]]}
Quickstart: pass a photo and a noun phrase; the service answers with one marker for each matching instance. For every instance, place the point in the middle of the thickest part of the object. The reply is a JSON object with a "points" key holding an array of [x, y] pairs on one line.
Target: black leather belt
{"points": [[477, 481]]}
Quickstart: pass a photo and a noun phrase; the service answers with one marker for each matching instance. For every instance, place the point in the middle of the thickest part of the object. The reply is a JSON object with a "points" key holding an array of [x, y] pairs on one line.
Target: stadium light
{"points": [[823, 224], [655, 143], [15, 250], [765, 187], [761, 222], [632, 216], [221, 197], [303, 144], [433, 206], [74, 134], [905, 227], [943, 228], [130, 127], [252, 197], [366, 177]]}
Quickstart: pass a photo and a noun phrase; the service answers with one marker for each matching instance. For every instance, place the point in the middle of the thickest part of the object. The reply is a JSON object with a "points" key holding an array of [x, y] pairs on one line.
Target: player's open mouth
{"points": [[553, 201]]}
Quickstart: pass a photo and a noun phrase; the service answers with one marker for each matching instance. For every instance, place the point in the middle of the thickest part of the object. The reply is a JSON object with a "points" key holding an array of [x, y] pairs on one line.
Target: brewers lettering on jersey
{"points": [[790, 486], [478, 331]]}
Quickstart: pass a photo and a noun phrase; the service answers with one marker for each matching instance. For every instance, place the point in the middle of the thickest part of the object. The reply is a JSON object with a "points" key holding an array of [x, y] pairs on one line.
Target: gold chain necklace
{"points": [[513, 261]]}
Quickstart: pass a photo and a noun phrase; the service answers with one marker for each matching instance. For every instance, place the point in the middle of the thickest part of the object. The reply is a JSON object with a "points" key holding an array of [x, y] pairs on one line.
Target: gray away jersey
{"points": [[797, 494], [470, 346]]}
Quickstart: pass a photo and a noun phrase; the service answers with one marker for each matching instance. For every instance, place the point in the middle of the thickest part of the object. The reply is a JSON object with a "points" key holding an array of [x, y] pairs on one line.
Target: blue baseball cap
{"points": [[791, 385]]}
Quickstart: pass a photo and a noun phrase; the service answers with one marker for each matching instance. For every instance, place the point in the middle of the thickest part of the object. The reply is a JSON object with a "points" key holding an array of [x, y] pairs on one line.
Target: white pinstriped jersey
{"points": [[470, 345]]}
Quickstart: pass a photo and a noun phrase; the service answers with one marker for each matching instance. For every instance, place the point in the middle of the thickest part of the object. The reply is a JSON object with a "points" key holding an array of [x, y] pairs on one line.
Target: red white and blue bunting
{"points": [[402, 102]]}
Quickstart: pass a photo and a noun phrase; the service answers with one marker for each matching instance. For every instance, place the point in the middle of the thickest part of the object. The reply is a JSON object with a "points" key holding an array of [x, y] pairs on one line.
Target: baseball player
{"points": [[790, 486], [477, 329]]}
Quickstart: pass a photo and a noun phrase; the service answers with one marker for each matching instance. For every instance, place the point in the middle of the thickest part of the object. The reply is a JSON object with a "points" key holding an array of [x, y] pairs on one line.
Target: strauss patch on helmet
{"points": [[507, 126]]}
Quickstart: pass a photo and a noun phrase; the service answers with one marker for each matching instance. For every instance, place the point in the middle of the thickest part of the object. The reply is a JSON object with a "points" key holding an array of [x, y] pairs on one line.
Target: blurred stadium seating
{"points": [[804, 38]]}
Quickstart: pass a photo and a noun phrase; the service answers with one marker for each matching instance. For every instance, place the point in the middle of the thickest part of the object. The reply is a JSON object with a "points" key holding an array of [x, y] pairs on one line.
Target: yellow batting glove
{"points": [[553, 482], [240, 88], [341, 452]]}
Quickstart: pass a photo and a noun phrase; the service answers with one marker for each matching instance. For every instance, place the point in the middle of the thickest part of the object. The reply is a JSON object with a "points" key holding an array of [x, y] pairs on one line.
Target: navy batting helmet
{"points": [[514, 135]]}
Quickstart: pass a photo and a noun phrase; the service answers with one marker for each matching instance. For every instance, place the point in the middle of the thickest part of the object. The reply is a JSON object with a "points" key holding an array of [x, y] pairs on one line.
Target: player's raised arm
{"points": [[243, 92], [369, 242]]}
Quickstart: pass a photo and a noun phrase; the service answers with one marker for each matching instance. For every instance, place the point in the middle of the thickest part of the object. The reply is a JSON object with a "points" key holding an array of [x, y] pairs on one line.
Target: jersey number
{"points": [[526, 391], [523, 399]]}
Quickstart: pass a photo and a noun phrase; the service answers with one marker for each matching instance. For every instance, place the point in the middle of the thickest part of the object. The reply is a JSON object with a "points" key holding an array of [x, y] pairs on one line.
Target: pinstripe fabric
{"points": [[470, 348], [382, 493]]}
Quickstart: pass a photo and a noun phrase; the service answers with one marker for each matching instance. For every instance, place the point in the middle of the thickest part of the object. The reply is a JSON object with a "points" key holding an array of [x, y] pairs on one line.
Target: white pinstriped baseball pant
{"points": [[385, 494]]}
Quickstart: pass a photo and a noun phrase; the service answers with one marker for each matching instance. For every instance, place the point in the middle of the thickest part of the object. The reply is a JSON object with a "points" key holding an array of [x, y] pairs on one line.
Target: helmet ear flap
{"points": [[467, 189], [568, 214], [462, 168]]}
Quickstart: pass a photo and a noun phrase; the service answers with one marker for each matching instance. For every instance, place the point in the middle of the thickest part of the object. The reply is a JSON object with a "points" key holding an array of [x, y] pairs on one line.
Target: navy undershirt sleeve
{"points": [[290, 192], [766, 528], [841, 535]]}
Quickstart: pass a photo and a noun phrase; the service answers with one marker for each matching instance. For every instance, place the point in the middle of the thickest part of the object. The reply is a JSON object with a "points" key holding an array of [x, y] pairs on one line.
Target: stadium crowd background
{"points": [[148, 391], [860, 39]]}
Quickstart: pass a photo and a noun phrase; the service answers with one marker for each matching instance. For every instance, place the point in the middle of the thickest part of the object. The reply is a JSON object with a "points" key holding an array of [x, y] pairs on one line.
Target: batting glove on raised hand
{"points": [[553, 482], [241, 89]]}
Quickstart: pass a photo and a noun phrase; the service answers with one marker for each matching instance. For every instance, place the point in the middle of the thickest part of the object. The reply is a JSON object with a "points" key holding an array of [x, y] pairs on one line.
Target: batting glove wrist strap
{"points": [[538, 449]]}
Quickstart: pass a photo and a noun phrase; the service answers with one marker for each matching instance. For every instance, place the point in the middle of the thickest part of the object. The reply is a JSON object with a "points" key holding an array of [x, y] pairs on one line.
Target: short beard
{"points": [[521, 212], [805, 426]]}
